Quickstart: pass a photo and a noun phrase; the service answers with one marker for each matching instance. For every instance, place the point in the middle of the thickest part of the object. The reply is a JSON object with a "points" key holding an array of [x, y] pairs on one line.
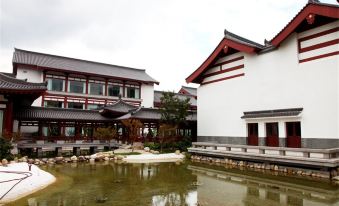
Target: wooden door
{"points": [[293, 134], [252, 134], [272, 134]]}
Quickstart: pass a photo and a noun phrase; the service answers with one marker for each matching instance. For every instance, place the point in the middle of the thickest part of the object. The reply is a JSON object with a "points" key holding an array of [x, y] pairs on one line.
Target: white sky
{"points": [[168, 38]]}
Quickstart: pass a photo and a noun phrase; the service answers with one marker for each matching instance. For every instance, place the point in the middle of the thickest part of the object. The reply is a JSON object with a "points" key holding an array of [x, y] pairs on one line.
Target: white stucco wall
{"points": [[31, 76], [274, 80], [147, 95]]}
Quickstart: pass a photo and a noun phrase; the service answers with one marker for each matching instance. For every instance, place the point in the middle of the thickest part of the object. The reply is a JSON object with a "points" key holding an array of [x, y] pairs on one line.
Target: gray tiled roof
{"points": [[8, 83], [77, 65], [158, 95], [151, 114], [241, 40], [191, 90], [59, 114], [120, 107], [272, 113]]}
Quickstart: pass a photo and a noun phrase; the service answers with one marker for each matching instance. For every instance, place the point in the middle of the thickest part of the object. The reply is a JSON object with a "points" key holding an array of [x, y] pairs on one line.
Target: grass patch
{"points": [[128, 153]]}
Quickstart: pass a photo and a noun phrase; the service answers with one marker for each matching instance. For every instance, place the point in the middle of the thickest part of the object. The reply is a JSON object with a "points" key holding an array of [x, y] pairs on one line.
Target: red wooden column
{"points": [[8, 117]]}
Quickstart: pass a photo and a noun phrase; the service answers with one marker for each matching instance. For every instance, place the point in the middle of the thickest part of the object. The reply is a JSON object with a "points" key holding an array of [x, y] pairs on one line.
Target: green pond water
{"points": [[176, 184]]}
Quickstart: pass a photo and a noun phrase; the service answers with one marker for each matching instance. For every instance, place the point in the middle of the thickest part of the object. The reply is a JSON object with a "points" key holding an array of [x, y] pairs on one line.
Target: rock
{"points": [[4, 162], [16, 159], [120, 157], [67, 159], [44, 160], [147, 149], [81, 158], [241, 164], [138, 146], [299, 172], [156, 152], [92, 160], [30, 161], [106, 158], [336, 178], [59, 159], [276, 168], [177, 152], [74, 158]]}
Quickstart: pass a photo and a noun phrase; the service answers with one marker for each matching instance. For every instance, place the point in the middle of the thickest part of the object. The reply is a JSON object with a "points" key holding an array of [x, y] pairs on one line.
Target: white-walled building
{"points": [[283, 93]]}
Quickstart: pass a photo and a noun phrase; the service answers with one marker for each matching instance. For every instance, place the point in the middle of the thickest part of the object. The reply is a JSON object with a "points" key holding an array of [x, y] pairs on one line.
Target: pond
{"points": [[176, 184]]}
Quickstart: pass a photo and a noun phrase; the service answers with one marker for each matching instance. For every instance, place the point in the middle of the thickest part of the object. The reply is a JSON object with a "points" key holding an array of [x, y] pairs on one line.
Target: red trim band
{"points": [[319, 57], [320, 45], [229, 61], [323, 33], [224, 71], [225, 78]]}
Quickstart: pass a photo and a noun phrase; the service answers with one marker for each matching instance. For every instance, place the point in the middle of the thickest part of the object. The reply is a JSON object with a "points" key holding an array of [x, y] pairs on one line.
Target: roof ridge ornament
{"points": [[313, 1], [267, 42]]}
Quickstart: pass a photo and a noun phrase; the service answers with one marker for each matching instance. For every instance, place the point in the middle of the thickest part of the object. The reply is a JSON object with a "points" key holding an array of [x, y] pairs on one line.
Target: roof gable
{"points": [[308, 13], [229, 42]]}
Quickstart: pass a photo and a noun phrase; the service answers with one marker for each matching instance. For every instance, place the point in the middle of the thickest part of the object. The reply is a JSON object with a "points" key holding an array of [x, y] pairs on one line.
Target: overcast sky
{"points": [[168, 38]]}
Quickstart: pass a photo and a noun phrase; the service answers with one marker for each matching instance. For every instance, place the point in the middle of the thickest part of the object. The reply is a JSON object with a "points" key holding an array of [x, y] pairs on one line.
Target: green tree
{"points": [[5, 148], [173, 110], [173, 113]]}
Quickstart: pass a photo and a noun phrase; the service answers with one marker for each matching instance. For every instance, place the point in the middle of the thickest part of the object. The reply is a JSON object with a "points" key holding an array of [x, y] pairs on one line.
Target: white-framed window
{"points": [[76, 85], [96, 87], [53, 104], [55, 83], [132, 91]]}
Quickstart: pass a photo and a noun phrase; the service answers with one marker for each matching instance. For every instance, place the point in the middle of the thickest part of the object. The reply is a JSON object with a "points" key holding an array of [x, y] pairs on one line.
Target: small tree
{"points": [[105, 133], [173, 113], [133, 127]]}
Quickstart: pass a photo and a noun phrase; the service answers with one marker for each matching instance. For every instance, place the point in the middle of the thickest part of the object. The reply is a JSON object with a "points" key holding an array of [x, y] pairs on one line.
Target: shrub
{"points": [[5, 149]]}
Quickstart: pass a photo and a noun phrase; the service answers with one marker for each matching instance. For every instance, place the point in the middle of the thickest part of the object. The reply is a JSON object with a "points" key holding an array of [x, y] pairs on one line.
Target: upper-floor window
{"points": [[93, 106], [114, 89], [54, 104], [75, 105], [76, 85], [132, 91], [96, 87], [55, 83]]}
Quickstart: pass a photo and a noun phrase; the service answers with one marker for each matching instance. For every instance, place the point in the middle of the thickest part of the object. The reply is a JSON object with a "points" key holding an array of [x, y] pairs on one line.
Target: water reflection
{"points": [[167, 184], [225, 187]]}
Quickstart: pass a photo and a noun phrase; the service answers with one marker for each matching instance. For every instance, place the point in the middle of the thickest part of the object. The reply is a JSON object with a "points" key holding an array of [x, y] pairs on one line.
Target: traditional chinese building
{"points": [[57, 103], [284, 93]]}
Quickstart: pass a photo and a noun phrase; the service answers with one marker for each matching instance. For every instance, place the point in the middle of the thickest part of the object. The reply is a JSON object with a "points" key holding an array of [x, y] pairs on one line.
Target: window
{"points": [[132, 91], [76, 87], [96, 89], [293, 129], [93, 106], [69, 131], [75, 105], [54, 104], [272, 129], [114, 90], [51, 131], [56, 85]]}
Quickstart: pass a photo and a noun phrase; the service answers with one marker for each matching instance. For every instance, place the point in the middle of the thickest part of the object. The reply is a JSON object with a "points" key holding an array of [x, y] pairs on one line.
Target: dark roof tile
{"points": [[78, 65], [8, 83], [272, 113]]}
